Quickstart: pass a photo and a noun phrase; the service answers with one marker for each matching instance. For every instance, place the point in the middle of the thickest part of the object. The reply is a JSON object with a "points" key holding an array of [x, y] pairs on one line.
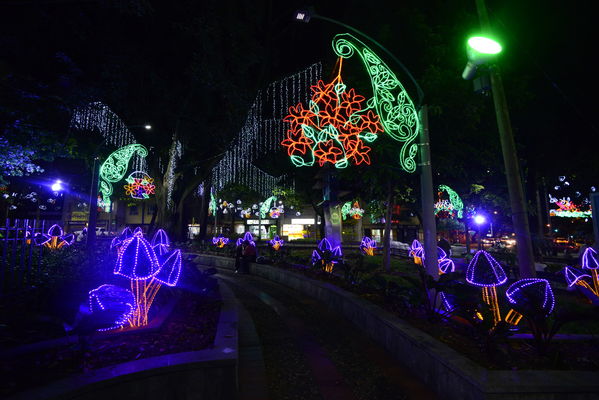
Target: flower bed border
{"points": [[209, 373], [449, 373]]}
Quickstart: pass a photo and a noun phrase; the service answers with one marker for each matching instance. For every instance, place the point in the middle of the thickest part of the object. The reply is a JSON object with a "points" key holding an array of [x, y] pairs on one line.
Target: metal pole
{"points": [[93, 207], [510, 158], [426, 187]]}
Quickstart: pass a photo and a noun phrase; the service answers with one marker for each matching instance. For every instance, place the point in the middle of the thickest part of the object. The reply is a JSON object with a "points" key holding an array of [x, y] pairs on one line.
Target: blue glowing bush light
{"points": [[532, 294], [485, 271]]}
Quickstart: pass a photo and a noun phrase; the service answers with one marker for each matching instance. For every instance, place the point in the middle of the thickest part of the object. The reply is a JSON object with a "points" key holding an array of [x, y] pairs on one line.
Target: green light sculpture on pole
{"points": [[114, 169], [394, 106], [454, 199]]}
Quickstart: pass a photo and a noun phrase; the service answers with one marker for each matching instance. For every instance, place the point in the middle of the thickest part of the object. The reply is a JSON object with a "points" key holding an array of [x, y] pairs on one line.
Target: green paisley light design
{"points": [[266, 206], [393, 104], [115, 167], [454, 199]]}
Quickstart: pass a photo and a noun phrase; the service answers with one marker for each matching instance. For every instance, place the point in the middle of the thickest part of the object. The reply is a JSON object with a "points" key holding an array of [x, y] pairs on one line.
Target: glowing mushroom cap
{"points": [[484, 270], [589, 259], [171, 268], [55, 230], [126, 234], [160, 237], [573, 275], [532, 294], [137, 260]]}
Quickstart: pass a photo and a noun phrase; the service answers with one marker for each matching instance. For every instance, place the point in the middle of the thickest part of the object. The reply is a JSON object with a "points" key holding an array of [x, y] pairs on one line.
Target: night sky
{"points": [[139, 57]]}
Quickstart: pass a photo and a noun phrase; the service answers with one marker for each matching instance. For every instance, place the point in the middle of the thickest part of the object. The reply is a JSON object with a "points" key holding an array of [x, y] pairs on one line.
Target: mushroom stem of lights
{"points": [[326, 256], [276, 243], [574, 276], [367, 246], [589, 261], [485, 271], [138, 262]]}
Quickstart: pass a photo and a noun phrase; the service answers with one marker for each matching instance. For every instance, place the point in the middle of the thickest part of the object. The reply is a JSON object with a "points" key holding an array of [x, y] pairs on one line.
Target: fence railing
{"points": [[20, 259]]}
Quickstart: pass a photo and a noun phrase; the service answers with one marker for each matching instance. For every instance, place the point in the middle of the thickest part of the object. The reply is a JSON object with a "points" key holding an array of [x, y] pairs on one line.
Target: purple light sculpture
{"points": [[117, 301], [589, 261], [485, 271], [247, 236], [446, 264], [326, 255], [532, 293], [276, 243], [220, 241], [160, 242], [120, 239], [137, 260], [170, 271], [54, 239], [367, 246]]}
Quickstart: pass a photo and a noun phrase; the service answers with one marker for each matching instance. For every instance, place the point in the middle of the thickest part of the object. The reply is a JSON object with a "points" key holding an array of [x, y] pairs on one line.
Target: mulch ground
{"points": [[191, 326]]}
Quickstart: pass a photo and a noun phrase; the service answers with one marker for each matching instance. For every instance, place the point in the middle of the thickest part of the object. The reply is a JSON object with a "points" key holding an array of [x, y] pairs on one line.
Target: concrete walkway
{"points": [[340, 361]]}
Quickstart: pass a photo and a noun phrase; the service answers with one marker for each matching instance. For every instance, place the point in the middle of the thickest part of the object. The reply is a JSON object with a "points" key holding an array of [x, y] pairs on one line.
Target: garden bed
{"points": [[513, 363], [191, 326]]}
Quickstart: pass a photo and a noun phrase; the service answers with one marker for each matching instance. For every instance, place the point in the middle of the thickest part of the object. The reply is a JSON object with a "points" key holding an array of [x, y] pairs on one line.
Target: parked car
{"points": [[80, 235]]}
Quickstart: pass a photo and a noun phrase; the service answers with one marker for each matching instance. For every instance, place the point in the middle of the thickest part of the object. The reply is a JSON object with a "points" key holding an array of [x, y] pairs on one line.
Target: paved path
{"points": [[309, 352]]}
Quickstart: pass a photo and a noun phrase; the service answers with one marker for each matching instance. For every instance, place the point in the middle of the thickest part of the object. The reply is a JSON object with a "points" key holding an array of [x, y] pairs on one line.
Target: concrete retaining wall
{"points": [[205, 374], [452, 375]]}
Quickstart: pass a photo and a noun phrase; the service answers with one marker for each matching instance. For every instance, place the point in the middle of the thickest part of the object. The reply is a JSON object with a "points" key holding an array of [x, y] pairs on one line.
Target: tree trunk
{"points": [[387, 236], [467, 237], [204, 211]]}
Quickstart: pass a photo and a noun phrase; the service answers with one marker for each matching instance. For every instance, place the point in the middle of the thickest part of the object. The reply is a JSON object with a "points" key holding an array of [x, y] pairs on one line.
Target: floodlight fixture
{"points": [[480, 50], [302, 16], [479, 219], [148, 127], [57, 186]]}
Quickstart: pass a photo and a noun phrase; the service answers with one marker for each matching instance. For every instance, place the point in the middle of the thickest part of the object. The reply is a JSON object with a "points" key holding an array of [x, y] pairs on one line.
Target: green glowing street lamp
{"points": [[480, 50]]}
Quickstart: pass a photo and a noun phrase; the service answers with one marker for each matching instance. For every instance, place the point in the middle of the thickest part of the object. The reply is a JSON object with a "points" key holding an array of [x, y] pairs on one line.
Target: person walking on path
{"points": [[249, 255], [238, 256]]}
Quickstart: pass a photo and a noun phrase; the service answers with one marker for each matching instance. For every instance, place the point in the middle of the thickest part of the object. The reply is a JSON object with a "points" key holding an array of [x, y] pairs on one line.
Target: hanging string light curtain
{"points": [[262, 133]]}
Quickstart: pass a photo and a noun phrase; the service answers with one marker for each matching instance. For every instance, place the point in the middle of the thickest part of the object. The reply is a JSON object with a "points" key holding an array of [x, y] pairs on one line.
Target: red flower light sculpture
{"points": [[333, 128]]}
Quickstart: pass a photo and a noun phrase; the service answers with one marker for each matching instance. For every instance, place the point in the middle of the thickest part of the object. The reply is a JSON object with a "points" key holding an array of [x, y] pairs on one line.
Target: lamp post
{"points": [[426, 181], [480, 48]]}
